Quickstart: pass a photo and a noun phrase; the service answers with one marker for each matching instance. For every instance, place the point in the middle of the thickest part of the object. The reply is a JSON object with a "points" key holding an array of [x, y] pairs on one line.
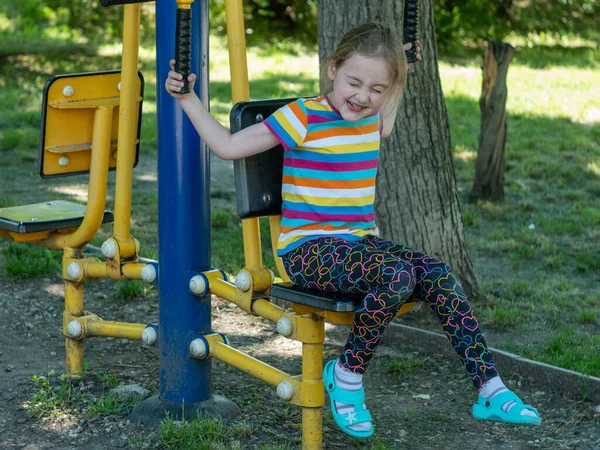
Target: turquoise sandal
{"points": [[356, 398], [491, 409]]}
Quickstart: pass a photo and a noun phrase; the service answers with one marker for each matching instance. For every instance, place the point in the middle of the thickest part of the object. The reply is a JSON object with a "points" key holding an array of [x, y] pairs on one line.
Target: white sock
{"points": [[495, 386], [349, 381]]}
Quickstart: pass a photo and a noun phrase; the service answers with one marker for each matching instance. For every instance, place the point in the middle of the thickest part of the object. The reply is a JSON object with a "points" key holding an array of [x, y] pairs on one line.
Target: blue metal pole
{"points": [[184, 215]]}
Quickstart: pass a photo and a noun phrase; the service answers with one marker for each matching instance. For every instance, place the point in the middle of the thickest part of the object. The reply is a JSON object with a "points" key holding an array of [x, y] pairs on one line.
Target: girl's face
{"points": [[360, 85]]}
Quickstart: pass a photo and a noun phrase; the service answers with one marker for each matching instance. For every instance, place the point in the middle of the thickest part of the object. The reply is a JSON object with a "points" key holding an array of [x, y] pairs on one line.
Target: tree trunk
{"points": [[416, 203], [489, 166]]}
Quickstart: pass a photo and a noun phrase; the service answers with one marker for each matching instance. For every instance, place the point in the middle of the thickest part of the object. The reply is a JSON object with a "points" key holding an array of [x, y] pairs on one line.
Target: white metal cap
{"points": [[149, 336], [285, 390], [285, 326], [75, 329], [243, 281], [198, 285], [198, 348], [149, 273], [74, 271], [68, 91], [109, 248]]}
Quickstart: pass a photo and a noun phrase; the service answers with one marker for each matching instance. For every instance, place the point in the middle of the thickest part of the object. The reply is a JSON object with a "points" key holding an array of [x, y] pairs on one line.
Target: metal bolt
{"points": [[68, 91]]}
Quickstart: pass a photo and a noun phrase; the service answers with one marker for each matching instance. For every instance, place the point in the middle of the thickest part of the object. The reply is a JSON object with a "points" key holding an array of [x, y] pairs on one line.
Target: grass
{"points": [[58, 395], [407, 367], [24, 261], [536, 255], [205, 433], [131, 290], [198, 434], [569, 348]]}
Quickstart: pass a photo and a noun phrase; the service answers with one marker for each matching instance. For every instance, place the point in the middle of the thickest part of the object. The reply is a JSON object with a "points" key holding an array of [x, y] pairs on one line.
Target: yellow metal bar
{"points": [[267, 310], [261, 278], [236, 43], [312, 370], [26, 237], [275, 226], [247, 364], [252, 245], [94, 268], [312, 360], [128, 112], [73, 307], [406, 307], [312, 428], [132, 271], [341, 318], [94, 212], [240, 91], [229, 292], [224, 289], [114, 329]]}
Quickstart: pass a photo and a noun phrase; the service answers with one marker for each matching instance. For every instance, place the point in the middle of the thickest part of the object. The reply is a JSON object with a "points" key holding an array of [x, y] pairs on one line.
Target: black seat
{"points": [[46, 216], [329, 302], [258, 194]]}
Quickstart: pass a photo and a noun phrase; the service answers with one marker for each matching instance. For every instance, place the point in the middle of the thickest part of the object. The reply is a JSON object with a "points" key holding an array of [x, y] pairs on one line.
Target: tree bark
{"points": [[417, 203], [489, 165]]}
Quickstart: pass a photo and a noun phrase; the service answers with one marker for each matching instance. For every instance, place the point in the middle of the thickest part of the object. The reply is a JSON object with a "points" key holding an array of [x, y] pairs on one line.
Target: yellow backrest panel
{"points": [[69, 106]]}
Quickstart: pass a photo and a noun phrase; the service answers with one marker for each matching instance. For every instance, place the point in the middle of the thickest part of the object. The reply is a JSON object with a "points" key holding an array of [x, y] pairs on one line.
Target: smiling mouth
{"points": [[355, 106]]}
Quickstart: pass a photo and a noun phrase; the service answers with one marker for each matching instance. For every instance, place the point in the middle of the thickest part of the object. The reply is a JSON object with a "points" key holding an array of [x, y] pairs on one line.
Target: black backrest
{"points": [[258, 177]]}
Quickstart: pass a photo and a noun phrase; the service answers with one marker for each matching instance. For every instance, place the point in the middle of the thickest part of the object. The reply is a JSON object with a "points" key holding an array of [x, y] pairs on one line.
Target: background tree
{"points": [[272, 21], [489, 166], [478, 20], [45, 26], [416, 202]]}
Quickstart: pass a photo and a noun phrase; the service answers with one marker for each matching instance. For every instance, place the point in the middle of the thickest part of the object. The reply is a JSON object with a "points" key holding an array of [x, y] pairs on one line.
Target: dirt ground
{"points": [[429, 409]]}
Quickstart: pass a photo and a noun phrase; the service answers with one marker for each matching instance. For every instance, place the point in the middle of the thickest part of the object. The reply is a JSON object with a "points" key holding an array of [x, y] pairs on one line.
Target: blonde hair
{"points": [[370, 39]]}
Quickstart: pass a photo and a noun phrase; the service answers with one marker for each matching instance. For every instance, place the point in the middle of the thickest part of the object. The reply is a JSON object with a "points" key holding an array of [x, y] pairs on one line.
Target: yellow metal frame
{"points": [[124, 264], [108, 109], [309, 329]]}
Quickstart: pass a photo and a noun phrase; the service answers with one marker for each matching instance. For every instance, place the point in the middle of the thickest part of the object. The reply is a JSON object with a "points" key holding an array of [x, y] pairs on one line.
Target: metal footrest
{"points": [[331, 302], [47, 216]]}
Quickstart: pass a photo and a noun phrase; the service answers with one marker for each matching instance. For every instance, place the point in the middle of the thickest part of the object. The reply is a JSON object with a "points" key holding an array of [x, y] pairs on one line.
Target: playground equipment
{"points": [[82, 131], [90, 123]]}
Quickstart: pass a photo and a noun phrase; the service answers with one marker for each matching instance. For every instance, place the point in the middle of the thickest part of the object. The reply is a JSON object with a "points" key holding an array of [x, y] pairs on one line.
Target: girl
{"points": [[329, 239]]}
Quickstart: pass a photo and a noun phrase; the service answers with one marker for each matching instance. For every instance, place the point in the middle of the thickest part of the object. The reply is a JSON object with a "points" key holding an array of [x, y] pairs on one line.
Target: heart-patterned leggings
{"points": [[389, 274]]}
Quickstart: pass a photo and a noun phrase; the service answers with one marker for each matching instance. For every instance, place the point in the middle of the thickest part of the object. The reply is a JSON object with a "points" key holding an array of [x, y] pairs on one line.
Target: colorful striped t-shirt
{"points": [[329, 171]]}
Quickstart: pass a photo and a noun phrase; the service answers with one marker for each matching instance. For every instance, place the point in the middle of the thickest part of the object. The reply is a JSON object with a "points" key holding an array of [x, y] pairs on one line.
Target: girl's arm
{"points": [[389, 113], [249, 141], [390, 108]]}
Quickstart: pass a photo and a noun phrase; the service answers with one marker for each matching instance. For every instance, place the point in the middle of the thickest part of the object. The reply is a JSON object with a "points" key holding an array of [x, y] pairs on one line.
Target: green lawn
{"points": [[537, 254]]}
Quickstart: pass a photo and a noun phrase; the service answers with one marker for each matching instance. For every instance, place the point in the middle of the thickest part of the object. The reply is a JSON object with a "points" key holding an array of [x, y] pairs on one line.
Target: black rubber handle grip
{"points": [[121, 2], [183, 44], [410, 27]]}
